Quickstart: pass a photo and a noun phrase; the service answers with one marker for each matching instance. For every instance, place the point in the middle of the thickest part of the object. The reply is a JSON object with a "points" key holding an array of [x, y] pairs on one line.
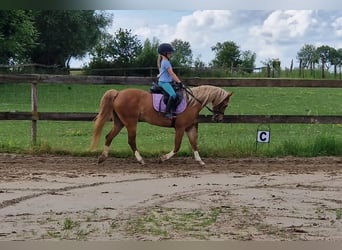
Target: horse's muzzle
{"points": [[217, 118]]}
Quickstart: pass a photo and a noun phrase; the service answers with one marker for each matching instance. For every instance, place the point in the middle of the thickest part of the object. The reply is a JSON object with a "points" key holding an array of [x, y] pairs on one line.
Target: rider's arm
{"points": [[173, 75]]}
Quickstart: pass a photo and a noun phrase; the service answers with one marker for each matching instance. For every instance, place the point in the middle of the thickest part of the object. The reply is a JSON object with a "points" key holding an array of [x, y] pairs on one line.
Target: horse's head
{"points": [[219, 109]]}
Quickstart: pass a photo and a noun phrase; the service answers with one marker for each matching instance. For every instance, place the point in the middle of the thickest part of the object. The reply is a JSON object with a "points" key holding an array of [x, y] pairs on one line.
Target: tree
{"points": [[120, 50], [198, 63], [182, 57], [247, 61], [64, 34], [335, 59], [227, 54], [149, 54], [324, 53], [102, 51], [17, 35], [339, 51], [307, 57], [272, 67], [126, 48], [148, 58]]}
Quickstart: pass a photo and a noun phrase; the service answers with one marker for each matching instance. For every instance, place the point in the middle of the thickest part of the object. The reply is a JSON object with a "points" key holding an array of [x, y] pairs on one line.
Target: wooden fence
{"points": [[36, 79], [221, 82]]}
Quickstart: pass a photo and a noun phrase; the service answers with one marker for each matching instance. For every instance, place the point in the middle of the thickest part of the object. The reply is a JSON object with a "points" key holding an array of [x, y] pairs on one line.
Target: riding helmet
{"points": [[165, 48]]}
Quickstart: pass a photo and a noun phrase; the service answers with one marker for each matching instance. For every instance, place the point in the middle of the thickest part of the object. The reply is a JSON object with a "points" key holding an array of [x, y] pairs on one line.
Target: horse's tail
{"points": [[104, 115]]}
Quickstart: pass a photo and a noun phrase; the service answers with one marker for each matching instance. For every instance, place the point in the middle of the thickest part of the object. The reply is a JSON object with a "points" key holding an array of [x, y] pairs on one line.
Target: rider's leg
{"points": [[170, 106]]}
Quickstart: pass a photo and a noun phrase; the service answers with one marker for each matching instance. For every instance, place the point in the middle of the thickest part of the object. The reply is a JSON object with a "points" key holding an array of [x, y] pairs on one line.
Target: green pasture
{"points": [[221, 140]]}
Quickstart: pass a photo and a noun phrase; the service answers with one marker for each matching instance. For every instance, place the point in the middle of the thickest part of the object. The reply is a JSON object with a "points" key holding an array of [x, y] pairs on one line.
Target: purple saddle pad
{"points": [[160, 106]]}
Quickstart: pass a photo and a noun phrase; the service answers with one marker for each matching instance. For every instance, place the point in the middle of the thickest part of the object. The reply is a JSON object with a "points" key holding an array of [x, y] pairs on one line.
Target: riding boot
{"points": [[170, 108]]}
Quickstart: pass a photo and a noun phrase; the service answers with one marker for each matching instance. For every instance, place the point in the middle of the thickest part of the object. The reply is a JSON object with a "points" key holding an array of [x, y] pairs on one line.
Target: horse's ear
{"points": [[230, 94]]}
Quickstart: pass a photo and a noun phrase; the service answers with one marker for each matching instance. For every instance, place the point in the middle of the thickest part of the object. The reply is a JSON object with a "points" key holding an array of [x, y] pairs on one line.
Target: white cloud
{"points": [[215, 4], [268, 33], [161, 32], [203, 26], [206, 19], [337, 25], [284, 25], [280, 33], [269, 52], [202, 29]]}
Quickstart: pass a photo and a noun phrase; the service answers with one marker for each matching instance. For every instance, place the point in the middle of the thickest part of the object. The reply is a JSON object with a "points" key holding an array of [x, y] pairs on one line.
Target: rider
{"points": [[166, 76]]}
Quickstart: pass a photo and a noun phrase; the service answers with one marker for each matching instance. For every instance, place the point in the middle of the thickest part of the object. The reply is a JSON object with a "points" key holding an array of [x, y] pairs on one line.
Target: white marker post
{"points": [[263, 135]]}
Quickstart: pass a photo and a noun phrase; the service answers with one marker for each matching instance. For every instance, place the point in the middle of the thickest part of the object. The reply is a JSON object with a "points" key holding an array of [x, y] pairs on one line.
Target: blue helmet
{"points": [[165, 48]]}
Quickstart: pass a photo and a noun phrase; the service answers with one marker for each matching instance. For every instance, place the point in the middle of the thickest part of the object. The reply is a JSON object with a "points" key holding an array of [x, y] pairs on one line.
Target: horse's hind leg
{"points": [[132, 132], [109, 138], [193, 135]]}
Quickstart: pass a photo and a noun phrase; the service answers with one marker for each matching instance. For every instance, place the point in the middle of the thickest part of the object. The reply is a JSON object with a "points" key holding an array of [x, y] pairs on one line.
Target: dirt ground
{"points": [[73, 198]]}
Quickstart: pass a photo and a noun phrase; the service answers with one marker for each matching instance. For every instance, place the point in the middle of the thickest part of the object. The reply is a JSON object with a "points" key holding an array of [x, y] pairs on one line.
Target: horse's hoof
{"points": [[201, 163], [142, 162], [162, 159], [101, 159]]}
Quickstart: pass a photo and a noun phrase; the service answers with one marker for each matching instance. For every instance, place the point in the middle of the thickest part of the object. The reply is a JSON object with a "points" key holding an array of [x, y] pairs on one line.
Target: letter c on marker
{"points": [[263, 136]]}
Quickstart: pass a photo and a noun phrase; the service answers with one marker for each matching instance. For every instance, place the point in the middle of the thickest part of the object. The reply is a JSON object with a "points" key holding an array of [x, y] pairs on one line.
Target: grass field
{"points": [[223, 139]]}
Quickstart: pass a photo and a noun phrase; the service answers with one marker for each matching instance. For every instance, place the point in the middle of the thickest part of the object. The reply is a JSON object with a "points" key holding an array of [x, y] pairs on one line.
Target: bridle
{"points": [[215, 111]]}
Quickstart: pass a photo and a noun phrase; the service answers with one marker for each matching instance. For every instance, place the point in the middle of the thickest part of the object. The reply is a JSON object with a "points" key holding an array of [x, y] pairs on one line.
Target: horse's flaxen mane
{"points": [[207, 94]]}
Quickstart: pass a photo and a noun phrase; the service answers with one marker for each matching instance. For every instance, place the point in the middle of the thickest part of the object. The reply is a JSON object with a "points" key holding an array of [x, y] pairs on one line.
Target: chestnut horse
{"points": [[127, 107]]}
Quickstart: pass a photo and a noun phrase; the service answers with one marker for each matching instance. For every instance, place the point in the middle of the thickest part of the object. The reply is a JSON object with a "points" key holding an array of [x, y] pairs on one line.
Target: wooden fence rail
{"points": [[70, 116], [131, 80], [35, 115]]}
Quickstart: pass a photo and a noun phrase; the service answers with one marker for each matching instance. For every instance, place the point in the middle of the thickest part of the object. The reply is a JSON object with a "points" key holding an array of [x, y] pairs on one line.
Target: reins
{"points": [[188, 90]]}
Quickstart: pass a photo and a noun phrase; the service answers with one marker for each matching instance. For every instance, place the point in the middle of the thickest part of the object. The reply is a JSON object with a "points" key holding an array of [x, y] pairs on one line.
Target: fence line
{"points": [[191, 81], [84, 116], [36, 79]]}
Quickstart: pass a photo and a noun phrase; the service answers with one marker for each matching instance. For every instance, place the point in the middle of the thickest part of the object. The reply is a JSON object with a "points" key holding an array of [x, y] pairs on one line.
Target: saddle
{"points": [[160, 98]]}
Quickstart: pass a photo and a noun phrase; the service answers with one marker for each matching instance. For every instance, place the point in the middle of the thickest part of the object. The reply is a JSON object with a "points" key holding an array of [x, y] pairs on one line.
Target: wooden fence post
{"points": [[34, 109]]}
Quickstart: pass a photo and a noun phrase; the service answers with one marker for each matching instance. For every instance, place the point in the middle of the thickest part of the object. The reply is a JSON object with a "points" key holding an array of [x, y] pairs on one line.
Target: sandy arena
{"points": [[73, 198]]}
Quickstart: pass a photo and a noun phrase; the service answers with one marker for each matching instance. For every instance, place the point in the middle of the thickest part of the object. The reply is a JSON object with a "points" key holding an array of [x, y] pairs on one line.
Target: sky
{"points": [[271, 34]]}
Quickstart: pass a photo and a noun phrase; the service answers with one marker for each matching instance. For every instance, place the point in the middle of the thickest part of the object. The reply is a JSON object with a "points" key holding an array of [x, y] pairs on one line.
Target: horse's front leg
{"points": [[178, 140], [192, 133]]}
